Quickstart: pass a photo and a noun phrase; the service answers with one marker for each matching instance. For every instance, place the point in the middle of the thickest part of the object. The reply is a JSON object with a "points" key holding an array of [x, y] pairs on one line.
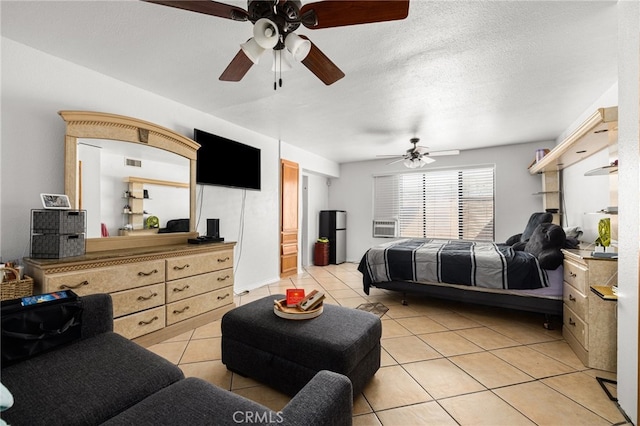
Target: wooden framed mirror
{"points": [[100, 130]]}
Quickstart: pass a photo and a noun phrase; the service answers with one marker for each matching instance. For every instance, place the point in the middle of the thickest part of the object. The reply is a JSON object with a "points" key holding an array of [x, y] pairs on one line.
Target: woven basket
{"points": [[13, 289]]}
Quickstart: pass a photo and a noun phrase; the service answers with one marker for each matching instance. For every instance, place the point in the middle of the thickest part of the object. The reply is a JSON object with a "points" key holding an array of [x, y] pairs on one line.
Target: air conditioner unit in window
{"points": [[385, 228]]}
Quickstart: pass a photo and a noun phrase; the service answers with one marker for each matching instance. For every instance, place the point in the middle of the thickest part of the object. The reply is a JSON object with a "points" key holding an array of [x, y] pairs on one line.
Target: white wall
{"points": [[629, 199], [579, 207], [35, 86], [514, 201]]}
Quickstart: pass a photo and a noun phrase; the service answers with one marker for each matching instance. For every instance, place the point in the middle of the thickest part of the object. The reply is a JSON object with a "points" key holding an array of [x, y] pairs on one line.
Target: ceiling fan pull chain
{"points": [[275, 87], [280, 80]]}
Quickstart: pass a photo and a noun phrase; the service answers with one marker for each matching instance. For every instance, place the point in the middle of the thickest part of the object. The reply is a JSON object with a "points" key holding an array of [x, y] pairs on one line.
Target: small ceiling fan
{"points": [[274, 23], [419, 156]]}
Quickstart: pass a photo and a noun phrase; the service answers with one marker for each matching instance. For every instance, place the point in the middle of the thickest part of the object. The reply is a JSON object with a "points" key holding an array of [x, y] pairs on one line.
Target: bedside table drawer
{"points": [[576, 326], [576, 275], [575, 300]]}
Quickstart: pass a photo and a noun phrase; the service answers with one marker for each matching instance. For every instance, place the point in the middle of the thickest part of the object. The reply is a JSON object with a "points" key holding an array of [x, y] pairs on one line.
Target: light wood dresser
{"points": [[157, 292], [589, 322]]}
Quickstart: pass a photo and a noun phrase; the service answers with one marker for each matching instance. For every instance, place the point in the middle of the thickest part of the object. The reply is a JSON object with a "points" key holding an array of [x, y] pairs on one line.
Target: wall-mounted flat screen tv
{"points": [[225, 162]]}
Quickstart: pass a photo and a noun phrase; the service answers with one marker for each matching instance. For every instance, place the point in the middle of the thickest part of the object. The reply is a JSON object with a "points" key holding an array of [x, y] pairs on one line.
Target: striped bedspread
{"points": [[482, 264]]}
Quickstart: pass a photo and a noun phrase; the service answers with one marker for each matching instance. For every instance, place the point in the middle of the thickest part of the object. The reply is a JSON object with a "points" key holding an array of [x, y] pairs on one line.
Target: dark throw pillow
{"points": [[535, 220], [546, 243]]}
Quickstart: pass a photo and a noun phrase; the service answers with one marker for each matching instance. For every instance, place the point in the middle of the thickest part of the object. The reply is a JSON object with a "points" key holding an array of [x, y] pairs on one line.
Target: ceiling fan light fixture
{"points": [[266, 33], [281, 61], [417, 162], [411, 163], [297, 46], [253, 50]]}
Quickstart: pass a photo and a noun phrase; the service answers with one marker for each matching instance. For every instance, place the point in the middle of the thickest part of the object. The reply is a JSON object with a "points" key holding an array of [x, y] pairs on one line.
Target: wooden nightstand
{"points": [[589, 321]]}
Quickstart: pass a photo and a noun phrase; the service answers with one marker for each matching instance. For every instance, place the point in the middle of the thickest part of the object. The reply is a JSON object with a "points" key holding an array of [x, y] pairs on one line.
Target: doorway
{"points": [[289, 179]]}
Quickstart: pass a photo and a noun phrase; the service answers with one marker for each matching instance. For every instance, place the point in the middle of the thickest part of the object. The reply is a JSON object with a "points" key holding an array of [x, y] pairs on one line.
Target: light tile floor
{"points": [[442, 362]]}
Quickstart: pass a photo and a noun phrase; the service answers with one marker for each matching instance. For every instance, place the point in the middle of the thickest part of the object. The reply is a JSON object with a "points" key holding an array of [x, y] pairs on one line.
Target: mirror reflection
{"points": [[129, 188]]}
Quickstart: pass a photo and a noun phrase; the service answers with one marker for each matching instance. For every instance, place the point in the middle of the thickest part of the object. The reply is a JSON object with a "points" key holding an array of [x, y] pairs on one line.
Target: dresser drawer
{"points": [[196, 305], [576, 275], [191, 286], [576, 326], [108, 279], [135, 325], [186, 266], [575, 300], [138, 299]]}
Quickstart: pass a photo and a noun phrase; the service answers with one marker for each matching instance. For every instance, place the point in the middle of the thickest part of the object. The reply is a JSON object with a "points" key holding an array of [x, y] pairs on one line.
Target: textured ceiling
{"points": [[457, 74]]}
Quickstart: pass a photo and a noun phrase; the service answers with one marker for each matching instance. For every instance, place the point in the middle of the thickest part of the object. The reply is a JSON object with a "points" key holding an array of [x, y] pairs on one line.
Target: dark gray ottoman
{"points": [[286, 354]]}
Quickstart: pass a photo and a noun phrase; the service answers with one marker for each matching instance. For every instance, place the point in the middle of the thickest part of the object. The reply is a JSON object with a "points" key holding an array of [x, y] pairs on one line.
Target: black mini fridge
{"points": [[333, 225]]}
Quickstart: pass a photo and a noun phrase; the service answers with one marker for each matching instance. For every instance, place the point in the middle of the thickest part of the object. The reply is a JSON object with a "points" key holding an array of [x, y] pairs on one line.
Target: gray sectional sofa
{"points": [[104, 378]]}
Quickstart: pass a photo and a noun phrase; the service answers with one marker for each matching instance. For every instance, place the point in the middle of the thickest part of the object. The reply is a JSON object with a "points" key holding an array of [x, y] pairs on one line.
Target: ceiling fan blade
{"points": [[336, 13], [395, 161], [207, 7], [319, 64], [440, 153], [426, 160], [237, 68]]}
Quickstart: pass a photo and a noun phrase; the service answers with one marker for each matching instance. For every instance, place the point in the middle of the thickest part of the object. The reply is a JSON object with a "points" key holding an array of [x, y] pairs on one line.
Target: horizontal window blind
{"points": [[451, 204]]}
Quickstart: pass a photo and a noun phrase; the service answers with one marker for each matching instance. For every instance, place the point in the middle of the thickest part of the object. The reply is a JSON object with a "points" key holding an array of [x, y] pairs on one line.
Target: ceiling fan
{"points": [[274, 23], [419, 156]]}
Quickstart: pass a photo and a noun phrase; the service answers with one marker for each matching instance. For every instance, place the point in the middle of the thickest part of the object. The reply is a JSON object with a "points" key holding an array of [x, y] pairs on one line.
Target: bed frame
{"points": [[550, 307]]}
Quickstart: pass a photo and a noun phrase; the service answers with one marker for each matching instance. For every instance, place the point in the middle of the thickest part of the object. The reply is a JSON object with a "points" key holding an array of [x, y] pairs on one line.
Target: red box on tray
{"points": [[294, 296]]}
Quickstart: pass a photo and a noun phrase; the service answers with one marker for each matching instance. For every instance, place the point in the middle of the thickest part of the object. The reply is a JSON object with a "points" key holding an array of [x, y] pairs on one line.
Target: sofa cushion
{"points": [[191, 402], [327, 400], [86, 382]]}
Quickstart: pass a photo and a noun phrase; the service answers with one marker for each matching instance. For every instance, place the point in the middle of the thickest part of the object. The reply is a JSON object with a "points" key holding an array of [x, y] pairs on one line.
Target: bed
{"points": [[468, 271]]}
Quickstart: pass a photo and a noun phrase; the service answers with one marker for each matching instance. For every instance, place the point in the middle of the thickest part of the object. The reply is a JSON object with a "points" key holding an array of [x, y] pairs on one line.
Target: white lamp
{"points": [[410, 163], [266, 34], [414, 163], [253, 50], [298, 46]]}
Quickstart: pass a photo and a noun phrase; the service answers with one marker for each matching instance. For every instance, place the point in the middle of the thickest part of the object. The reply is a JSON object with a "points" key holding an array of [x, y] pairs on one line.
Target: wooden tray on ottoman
{"points": [[294, 313]]}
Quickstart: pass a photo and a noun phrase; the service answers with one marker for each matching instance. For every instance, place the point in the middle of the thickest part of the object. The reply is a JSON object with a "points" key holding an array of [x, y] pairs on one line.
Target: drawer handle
{"points": [[573, 275], [573, 299], [148, 322], [176, 311], [146, 274], [65, 286], [571, 322], [226, 277], [223, 260], [223, 297], [180, 268], [176, 289], [142, 298]]}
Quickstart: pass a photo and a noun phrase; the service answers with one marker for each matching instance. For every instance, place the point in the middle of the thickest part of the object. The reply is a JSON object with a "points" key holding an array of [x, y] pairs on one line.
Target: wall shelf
{"points": [[603, 171], [598, 132]]}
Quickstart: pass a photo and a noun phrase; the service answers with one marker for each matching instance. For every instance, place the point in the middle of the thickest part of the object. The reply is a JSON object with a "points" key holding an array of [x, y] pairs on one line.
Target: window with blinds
{"points": [[451, 203]]}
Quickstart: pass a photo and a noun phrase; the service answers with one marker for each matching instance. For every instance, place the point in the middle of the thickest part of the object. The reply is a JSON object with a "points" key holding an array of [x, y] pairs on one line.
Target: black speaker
{"points": [[213, 228]]}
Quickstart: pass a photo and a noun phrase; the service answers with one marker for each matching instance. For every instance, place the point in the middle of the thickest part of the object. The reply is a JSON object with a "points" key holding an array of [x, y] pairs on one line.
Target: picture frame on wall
{"points": [[55, 201]]}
